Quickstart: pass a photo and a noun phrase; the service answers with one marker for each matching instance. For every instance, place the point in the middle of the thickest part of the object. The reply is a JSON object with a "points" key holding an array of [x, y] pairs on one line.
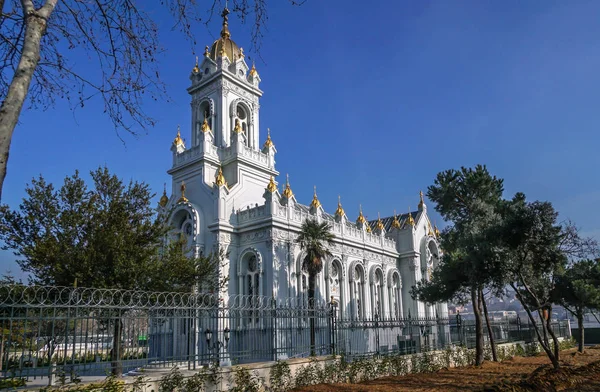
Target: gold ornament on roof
{"points": [[368, 228], [422, 201], [178, 141], [238, 127], [379, 223], [205, 126], [395, 222], [361, 218], [435, 230], [220, 178], [206, 52], [287, 192], [430, 232], [315, 201], [196, 69], [164, 199], [253, 70], [410, 219], [271, 187], [339, 211], [182, 199], [241, 53], [268, 142]]}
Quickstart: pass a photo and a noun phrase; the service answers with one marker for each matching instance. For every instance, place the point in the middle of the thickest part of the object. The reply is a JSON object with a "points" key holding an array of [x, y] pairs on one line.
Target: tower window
{"points": [[242, 116]]}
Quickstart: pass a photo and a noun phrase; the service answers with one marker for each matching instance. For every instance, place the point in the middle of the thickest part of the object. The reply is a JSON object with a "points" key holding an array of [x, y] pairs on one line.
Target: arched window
{"points": [[377, 294], [395, 297], [241, 115], [250, 282], [185, 230], [357, 292]]}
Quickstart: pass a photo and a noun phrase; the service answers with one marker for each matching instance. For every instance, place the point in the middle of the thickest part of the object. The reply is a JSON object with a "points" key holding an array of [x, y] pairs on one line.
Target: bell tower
{"points": [[225, 146]]}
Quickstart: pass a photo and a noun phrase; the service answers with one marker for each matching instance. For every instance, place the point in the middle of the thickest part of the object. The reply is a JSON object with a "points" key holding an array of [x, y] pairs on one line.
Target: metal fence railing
{"points": [[48, 330]]}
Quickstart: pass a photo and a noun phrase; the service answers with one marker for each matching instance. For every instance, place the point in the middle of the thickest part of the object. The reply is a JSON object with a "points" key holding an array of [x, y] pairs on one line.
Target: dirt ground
{"points": [[580, 372]]}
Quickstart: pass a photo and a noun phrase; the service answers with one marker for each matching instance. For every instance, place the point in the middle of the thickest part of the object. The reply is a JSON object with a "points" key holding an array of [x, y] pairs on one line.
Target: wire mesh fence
{"points": [[45, 331]]}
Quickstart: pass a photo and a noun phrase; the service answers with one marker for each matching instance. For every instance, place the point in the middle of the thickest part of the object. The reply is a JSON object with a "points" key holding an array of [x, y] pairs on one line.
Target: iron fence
{"points": [[45, 331]]}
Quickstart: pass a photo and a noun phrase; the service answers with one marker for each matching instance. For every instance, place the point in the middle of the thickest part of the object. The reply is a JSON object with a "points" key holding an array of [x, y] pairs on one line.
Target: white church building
{"points": [[225, 196]]}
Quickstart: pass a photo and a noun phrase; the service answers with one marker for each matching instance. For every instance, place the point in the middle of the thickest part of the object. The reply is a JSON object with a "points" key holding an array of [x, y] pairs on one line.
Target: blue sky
{"points": [[371, 100]]}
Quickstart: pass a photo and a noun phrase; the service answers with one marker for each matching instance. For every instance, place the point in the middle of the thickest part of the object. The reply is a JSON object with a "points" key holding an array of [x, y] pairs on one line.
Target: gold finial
{"points": [[238, 127], [205, 126], [421, 202], [361, 218], [225, 30], [253, 69], [241, 53], [410, 219], [196, 69], [220, 178], [395, 222], [340, 210], [435, 230], [287, 192], [430, 231], [268, 142], [315, 201], [164, 199], [206, 51], [368, 228], [271, 187], [178, 141], [380, 225], [182, 199]]}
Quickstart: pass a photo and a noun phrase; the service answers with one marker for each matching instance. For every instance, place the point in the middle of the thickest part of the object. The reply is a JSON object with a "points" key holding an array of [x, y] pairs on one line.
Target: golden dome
{"points": [[178, 141], [196, 69], [224, 46], [220, 178], [395, 222], [361, 218], [410, 219], [253, 71], [340, 210], [421, 201], [315, 201], [271, 187], [287, 192], [379, 223], [268, 142], [205, 126], [182, 199], [435, 230], [164, 199]]}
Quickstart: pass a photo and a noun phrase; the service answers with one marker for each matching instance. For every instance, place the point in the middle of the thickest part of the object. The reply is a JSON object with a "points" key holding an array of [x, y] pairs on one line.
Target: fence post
{"points": [[275, 331]]}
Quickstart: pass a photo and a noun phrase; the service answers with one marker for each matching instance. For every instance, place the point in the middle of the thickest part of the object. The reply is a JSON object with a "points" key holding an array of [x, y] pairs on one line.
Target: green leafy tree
{"points": [[314, 239], [468, 198], [577, 289], [532, 256], [106, 236]]}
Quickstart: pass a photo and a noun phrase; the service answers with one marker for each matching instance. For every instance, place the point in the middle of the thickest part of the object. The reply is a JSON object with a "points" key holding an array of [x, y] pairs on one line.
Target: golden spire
{"points": [[253, 69], [269, 142], [225, 30], [395, 222], [421, 202], [196, 69], [315, 201], [435, 230], [182, 199], [340, 210], [410, 219], [271, 187], [368, 227], [164, 199], [361, 218], [238, 127], [220, 178], [379, 223], [287, 192], [206, 51], [241, 53], [205, 126], [178, 141], [430, 231]]}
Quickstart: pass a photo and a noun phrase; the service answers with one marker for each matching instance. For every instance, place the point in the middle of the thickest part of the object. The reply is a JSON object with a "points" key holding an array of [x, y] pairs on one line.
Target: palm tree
{"points": [[314, 238]]}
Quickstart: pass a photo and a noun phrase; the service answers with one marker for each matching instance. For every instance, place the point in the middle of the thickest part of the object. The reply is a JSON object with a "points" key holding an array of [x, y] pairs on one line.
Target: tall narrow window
{"points": [[243, 118], [252, 289]]}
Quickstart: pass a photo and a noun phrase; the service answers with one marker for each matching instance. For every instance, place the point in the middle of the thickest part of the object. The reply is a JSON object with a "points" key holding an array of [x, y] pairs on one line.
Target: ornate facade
{"points": [[225, 197]]}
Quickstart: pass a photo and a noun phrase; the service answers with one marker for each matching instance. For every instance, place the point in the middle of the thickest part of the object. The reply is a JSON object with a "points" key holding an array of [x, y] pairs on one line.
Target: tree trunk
{"points": [[489, 327], [311, 307], [478, 326], [553, 335], [544, 343], [117, 351], [580, 327], [35, 26]]}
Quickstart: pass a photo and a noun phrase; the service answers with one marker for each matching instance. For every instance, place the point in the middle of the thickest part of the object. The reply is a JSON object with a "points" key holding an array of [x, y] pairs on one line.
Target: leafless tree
{"points": [[39, 40]]}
